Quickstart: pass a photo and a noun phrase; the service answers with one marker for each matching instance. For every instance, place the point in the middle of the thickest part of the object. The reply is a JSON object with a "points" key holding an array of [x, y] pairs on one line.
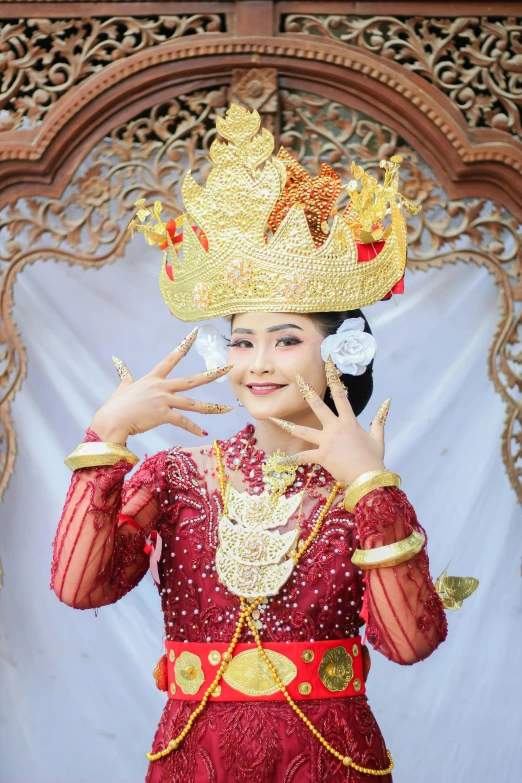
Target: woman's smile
{"points": [[265, 388]]}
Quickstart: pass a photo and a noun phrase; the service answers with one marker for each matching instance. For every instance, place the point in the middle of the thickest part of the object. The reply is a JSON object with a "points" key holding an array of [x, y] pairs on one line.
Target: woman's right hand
{"points": [[154, 399]]}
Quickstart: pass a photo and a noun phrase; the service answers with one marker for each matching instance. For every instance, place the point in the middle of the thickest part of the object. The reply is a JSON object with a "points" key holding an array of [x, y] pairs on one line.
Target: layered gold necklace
{"points": [[254, 559]]}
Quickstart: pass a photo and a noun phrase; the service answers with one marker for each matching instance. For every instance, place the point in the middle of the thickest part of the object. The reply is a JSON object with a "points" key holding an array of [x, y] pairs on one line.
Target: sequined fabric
{"points": [[176, 493]]}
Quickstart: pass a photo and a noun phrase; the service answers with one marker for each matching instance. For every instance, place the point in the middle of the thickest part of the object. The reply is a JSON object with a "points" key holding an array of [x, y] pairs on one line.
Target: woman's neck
{"points": [[270, 437]]}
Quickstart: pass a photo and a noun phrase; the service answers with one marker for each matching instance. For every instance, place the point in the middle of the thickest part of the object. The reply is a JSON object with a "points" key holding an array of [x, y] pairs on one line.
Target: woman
{"points": [[266, 565]]}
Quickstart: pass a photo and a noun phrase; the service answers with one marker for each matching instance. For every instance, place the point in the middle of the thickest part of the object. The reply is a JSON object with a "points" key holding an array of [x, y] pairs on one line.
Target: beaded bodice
{"points": [[312, 605]]}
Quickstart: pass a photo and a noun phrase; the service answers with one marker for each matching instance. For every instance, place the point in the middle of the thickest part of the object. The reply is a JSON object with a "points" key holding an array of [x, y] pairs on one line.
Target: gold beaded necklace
{"points": [[246, 615]]}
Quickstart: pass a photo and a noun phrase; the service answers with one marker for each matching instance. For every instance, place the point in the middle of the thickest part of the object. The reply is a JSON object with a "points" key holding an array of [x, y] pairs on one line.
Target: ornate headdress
{"points": [[257, 236]]}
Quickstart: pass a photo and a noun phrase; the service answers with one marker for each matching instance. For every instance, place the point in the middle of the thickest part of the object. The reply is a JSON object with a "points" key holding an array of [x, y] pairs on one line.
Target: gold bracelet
{"points": [[391, 554], [366, 483], [93, 453]]}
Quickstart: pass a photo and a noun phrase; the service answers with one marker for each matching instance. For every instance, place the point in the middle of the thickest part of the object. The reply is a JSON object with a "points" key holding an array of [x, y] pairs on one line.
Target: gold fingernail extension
{"points": [[287, 426], [214, 407], [187, 342], [382, 412], [332, 377], [218, 371], [121, 368], [306, 390]]}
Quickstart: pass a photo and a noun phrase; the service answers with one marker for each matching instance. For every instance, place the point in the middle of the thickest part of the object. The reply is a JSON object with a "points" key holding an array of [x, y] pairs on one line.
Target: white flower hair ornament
{"points": [[351, 348], [212, 346]]}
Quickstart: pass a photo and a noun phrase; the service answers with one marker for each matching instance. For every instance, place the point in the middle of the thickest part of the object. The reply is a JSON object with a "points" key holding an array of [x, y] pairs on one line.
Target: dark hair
{"points": [[360, 387]]}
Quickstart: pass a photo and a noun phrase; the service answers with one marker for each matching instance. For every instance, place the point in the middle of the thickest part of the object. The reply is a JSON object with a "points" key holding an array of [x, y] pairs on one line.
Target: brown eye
{"points": [[241, 344], [287, 341]]}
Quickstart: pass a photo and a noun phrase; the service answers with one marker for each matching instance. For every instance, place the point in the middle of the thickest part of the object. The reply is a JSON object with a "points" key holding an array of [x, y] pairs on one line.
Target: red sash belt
{"points": [[309, 670]]}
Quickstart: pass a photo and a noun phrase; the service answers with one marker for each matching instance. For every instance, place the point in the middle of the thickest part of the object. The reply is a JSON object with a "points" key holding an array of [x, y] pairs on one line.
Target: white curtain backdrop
{"points": [[79, 704]]}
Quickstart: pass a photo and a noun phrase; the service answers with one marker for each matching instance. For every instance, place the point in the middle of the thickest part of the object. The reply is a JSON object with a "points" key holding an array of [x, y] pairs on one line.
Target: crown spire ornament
{"points": [[220, 258]]}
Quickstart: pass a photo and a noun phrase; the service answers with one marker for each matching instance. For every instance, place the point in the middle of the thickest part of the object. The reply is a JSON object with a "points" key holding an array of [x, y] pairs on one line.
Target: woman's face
{"points": [[267, 348]]}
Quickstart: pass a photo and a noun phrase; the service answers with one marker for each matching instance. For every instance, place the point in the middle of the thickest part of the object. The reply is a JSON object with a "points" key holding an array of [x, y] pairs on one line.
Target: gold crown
{"points": [[262, 240]]}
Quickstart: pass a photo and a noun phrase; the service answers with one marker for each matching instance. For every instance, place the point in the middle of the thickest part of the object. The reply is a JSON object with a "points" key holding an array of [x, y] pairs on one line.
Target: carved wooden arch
{"points": [[466, 161]]}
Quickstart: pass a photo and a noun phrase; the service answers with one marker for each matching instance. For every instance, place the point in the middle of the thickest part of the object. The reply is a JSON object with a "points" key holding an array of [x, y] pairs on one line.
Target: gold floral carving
{"points": [[336, 669], [239, 273], [188, 672], [476, 61], [42, 59], [146, 157], [202, 296]]}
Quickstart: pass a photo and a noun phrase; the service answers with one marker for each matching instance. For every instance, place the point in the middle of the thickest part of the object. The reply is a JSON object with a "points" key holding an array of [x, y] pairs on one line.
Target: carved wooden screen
{"points": [[98, 112]]}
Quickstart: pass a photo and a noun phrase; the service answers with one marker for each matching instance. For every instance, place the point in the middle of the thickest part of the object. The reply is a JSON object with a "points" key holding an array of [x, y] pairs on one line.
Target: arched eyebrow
{"points": [[283, 326], [270, 329]]}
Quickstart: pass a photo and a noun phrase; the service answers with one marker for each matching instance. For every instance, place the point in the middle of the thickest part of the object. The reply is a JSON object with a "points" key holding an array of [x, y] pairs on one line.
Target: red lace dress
{"points": [[176, 493]]}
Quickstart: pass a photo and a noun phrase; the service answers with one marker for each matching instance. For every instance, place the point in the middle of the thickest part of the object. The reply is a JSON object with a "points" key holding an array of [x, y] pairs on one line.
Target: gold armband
{"points": [[93, 453], [366, 483], [391, 554]]}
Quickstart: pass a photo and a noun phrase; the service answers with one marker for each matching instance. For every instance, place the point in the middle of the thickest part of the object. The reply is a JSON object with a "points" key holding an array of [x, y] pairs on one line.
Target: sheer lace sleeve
{"points": [[404, 615], [98, 555]]}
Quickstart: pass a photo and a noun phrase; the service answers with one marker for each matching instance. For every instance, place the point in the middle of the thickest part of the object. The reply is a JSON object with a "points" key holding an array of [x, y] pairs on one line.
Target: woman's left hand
{"points": [[345, 449]]}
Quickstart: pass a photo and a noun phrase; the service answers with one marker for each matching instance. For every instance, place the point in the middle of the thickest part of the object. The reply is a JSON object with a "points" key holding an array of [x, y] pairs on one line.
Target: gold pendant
{"points": [[252, 558], [259, 511], [277, 477]]}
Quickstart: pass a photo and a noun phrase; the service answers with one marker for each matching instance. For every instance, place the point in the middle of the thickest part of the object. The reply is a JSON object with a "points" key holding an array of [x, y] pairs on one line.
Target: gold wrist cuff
{"points": [[93, 453], [391, 554], [366, 483]]}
